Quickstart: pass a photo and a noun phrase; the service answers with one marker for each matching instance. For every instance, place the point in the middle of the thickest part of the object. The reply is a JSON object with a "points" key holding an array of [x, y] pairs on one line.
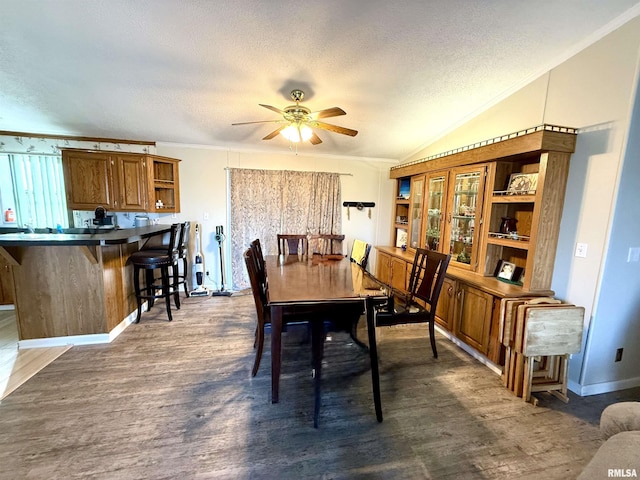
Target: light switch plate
{"points": [[634, 254], [581, 250]]}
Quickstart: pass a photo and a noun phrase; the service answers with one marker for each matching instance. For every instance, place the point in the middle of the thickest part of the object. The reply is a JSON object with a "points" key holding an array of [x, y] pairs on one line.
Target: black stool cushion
{"points": [[151, 258]]}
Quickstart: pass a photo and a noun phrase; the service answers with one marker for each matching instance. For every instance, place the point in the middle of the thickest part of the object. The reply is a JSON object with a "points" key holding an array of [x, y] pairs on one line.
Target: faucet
{"points": [[29, 228]]}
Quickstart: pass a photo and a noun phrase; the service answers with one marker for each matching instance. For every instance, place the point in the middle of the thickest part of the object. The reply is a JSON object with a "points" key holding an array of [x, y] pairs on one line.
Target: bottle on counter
{"points": [[9, 216]]}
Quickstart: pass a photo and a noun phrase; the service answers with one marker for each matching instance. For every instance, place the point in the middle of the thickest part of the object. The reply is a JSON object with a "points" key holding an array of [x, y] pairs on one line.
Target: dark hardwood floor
{"points": [[177, 401]]}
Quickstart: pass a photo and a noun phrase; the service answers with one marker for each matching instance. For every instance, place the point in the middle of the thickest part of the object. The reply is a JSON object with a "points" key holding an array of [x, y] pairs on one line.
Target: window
{"points": [[34, 189]]}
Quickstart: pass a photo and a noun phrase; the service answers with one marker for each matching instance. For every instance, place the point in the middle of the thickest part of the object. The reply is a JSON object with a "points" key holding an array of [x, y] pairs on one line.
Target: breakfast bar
{"points": [[73, 287]]}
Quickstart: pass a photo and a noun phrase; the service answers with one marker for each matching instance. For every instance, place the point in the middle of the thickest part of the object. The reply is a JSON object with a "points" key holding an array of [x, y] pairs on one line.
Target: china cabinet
{"points": [[493, 203]]}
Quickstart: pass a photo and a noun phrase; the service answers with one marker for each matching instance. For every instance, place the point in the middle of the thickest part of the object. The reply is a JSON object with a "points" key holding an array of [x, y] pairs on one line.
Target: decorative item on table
{"points": [[522, 184]]}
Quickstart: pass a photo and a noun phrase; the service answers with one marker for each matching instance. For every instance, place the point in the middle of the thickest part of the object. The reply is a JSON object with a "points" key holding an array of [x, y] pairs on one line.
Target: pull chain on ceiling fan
{"points": [[298, 122]]}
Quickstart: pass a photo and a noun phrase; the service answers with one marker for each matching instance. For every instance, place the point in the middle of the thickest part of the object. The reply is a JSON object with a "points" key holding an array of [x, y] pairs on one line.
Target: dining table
{"points": [[324, 287]]}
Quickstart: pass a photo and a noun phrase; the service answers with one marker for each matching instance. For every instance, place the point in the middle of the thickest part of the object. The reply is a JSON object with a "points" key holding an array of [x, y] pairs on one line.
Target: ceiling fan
{"points": [[297, 121]]}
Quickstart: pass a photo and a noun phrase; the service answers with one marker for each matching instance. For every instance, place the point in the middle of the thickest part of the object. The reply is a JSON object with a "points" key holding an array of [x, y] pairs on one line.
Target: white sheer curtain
{"points": [[38, 189], [265, 203]]}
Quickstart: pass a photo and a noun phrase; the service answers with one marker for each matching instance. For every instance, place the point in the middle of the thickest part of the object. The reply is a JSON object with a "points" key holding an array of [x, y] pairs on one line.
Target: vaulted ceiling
{"points": [[183, 71]]}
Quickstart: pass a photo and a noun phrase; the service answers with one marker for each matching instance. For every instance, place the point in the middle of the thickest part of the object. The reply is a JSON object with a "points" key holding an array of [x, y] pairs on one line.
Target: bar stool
{"points": [[160, 243], [151, 259]]}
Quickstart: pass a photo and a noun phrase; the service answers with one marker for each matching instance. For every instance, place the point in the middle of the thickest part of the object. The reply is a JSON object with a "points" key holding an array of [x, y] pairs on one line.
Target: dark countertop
{"points": [[93, 236]]}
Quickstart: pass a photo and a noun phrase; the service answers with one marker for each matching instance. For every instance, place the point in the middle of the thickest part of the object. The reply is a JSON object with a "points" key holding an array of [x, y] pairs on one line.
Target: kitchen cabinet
{"points": [[89, 180], [164, 184], [126, 182]]}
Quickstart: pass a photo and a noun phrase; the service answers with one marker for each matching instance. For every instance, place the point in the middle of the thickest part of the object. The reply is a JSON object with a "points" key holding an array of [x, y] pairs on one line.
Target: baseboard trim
{"points": [[471, 351], [7, 307], [605, 387], [92, 339]]}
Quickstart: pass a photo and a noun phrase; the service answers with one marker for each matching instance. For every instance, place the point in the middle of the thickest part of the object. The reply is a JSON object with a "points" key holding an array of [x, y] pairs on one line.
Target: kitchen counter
{"points": [[83, 236], [73, 288]]}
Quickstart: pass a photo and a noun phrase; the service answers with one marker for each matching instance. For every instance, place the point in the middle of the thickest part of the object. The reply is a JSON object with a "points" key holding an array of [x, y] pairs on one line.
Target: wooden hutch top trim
{"points": [[535, 139]]}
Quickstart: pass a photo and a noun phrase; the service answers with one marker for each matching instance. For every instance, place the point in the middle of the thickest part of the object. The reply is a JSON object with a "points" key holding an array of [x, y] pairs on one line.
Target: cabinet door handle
{"points": [[449, 217], [450, 291]]}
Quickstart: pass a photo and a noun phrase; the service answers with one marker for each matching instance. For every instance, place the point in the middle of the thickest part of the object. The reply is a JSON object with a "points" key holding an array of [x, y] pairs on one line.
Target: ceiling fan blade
{"points": [[274, 109], [327, 112], [335, 128], [274, 133], [261, 121], [315, 139]]}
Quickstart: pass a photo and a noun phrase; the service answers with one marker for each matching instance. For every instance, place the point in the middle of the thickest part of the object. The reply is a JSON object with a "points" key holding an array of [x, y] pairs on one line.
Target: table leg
{"points": [[276, 351], [317, 342], [373, 355]]}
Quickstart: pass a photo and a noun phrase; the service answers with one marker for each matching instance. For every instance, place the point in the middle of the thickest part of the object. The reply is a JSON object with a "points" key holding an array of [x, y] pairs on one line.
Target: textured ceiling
{"points": [[183, 71]]}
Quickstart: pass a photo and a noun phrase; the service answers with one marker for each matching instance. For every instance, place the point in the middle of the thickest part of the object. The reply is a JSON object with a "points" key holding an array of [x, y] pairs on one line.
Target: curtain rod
{"points": [[239, 168]]}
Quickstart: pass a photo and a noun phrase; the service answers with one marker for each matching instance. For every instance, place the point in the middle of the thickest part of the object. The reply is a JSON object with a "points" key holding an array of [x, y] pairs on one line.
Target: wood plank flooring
{"points": [[18, 366], [171, 400]]}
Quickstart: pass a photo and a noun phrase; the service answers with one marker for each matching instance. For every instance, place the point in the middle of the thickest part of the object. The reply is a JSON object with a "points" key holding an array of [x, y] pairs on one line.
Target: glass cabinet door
{"points": [[416, 207], [463, 214], [435, 195]]}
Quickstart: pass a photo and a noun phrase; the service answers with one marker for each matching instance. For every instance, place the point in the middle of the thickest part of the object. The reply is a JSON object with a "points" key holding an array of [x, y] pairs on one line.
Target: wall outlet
{"points": [[581, 250], [619, 354], [205, 216]]}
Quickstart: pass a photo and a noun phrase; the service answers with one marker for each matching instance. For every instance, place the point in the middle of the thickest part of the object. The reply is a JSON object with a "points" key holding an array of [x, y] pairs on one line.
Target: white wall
{"points": [[203, 190], [592, 91]]}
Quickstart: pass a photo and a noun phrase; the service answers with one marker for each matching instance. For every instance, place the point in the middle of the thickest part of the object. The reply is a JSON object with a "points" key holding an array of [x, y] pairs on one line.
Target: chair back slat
{"points": [[261, 268], [427, 275], [260, 295], [293, 244]]}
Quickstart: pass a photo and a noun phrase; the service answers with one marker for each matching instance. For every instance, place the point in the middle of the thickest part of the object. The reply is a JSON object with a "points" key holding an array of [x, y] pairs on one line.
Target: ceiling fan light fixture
{"points": [[293, 132]]}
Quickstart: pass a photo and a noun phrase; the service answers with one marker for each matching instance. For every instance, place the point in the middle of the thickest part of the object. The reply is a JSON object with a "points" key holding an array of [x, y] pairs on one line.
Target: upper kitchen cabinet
{"points": [[164, 184], [88, 179], [120, 181]]}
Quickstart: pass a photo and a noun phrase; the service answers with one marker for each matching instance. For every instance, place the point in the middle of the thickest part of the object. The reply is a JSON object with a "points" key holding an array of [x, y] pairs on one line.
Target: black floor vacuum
{"points": [[219, 237]]}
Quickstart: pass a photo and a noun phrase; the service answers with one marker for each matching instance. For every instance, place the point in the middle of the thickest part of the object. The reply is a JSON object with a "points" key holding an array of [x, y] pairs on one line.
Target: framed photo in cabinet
{"points": [[506, 270], [522, 183]]}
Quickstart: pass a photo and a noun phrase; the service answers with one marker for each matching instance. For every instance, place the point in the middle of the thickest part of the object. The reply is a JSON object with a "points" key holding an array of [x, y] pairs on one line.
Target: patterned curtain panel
{"points": [[265, 203]]}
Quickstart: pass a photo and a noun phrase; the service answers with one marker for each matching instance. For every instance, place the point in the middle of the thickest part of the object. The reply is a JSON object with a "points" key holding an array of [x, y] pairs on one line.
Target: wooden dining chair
{"points": [[326, 244], [260, 290], [293, 244], [418, 305], [360, 253], [256, 247]]}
